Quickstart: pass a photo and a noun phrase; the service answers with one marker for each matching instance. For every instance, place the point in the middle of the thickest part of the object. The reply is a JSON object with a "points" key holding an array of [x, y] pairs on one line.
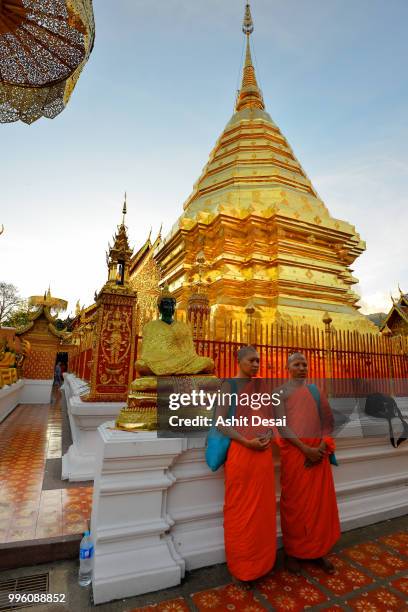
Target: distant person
{"points": [[308, 507], [250, 505], [58, 374]]}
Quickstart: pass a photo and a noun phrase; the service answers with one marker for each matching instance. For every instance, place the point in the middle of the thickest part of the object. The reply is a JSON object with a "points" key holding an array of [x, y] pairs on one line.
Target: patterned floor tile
{"points": [[230, 597], [345, 579], [374, 558], [402, 585], [397, 541], [378, 600], [288, 592], [173, 605], [20, 534], [30, 435]]}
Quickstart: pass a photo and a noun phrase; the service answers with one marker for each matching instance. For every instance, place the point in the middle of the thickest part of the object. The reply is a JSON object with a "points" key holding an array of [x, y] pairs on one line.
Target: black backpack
{"points": [[385, 407]]}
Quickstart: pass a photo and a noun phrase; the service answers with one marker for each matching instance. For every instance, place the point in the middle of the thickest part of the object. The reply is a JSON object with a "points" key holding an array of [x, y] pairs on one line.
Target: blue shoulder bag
{"points": [[316, 396], [217, 443]]}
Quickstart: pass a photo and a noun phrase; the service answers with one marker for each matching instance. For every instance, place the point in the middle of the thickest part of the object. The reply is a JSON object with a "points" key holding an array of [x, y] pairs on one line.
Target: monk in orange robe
{"points": [[250, 502], [308, 507]]}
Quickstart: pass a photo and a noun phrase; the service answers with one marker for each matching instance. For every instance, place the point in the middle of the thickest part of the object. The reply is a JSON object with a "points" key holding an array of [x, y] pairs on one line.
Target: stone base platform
{"points": [[157, 508], [78, 464]]}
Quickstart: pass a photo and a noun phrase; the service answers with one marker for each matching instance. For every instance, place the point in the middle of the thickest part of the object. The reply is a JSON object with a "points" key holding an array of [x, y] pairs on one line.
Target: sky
{"points": [[156, 94]]}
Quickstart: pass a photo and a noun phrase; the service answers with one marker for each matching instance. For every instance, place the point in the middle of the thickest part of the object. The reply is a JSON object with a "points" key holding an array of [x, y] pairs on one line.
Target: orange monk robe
{"points": [[308, 506], [250, 503]]}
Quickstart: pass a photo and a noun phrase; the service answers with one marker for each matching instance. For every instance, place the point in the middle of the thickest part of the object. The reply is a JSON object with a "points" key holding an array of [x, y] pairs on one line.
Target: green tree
{"points": [[19, 317], [64, 324], [377, 317], [10, 302]]}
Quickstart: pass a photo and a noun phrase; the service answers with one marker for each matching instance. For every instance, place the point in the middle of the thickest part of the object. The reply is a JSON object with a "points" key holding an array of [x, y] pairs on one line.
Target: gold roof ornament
{"points": [[44, 46], [119, 255], [124, 210], [47, 301], [250, 308], [121, 249], [247, 25], [386, 331], [250, 95]]}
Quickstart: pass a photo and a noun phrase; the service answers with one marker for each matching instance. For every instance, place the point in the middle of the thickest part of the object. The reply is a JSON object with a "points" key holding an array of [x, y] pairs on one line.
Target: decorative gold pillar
{"points": [[198, 304], [114, 335], [198, 311], [250, 311], [328, 353]]}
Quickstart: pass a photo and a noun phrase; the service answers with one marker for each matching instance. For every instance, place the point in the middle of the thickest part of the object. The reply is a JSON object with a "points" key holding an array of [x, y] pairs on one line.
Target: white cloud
{"points": [[371, 192], [375, 302]]}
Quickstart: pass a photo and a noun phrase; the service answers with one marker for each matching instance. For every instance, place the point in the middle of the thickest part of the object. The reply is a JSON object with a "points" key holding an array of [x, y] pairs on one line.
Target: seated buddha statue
{"points": [[8, 371], [7, 359], [167, 351], [168, 347]]}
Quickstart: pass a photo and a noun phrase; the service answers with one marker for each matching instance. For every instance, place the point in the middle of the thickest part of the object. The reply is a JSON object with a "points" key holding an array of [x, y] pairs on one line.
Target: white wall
{"points": [[10, 398], [24, 391]]}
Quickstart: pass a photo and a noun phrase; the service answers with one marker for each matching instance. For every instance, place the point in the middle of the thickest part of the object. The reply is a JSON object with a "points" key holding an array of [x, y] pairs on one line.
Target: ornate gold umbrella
{"points": [[48, 301], [44, 44]]}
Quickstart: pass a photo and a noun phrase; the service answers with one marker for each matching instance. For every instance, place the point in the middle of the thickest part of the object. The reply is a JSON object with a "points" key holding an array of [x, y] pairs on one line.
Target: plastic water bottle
{"points": [[86, 553]]}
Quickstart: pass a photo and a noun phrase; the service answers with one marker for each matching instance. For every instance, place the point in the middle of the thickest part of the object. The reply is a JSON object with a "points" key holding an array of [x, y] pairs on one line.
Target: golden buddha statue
{"points": [[8, 371], [167, 350], [168, 347]]}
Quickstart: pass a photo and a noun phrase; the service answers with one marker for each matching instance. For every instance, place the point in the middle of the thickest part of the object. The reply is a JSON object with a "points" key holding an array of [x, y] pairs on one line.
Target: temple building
{"points": [[263, 235], [144, 277], [396, 321], [45, 342]]}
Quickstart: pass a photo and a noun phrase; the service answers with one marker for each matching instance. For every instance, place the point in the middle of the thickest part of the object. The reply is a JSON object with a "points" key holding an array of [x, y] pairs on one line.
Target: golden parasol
{"points": [[48, 301], [44, 44]]}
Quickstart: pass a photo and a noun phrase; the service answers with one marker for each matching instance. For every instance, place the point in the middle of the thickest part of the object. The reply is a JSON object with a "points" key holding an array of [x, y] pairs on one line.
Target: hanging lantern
{"points": [[43, 47]]}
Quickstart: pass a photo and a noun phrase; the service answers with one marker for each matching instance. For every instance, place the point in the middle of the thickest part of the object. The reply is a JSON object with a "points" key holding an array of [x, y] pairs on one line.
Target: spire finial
{"points": [[124, 210], [247, 24], [250, 95]]}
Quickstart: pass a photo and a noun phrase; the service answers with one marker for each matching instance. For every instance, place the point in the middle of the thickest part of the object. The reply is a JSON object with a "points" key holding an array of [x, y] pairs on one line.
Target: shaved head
{"points": [[244, 351], [294, 356]]}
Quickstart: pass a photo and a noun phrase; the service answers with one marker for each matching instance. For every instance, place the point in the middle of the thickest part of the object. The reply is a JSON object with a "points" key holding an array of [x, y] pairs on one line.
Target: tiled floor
{"points": [[370, 577], [28, 437]]}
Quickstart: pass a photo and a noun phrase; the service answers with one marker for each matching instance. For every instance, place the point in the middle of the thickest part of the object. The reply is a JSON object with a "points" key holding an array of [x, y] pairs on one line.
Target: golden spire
{"points": [[250, 95], [124, 210], [247, 24], [118, 256]]}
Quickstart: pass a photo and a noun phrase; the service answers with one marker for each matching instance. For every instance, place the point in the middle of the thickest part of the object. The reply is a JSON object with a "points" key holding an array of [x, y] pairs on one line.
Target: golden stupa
{"points": [[267, 237]]}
